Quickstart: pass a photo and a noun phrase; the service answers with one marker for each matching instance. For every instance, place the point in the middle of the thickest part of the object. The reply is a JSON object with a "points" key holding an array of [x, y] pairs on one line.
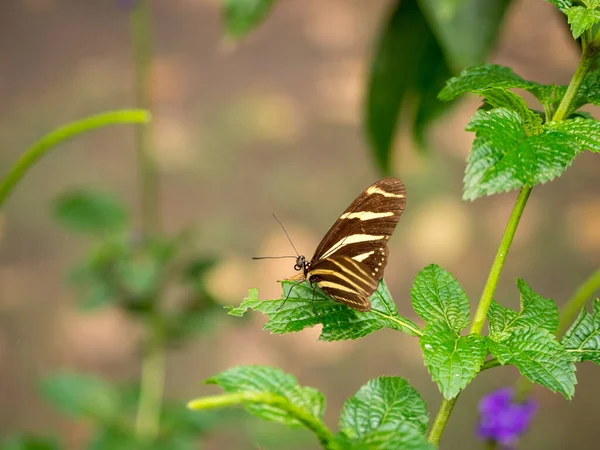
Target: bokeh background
{"points": [[271, 125]]}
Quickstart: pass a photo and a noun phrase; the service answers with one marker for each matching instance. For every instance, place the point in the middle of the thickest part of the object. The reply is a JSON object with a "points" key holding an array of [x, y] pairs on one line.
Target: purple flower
{"points": [[502, 419]]}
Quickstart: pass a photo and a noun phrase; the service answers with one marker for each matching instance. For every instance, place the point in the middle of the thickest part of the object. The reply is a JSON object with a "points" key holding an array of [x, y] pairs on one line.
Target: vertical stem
{"points": [[148, 177], [577, 302], [499, 260], [153, 364]]}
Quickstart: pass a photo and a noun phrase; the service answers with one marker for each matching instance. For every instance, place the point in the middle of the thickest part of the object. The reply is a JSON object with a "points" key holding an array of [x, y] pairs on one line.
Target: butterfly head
{"points": [[302, 264]]}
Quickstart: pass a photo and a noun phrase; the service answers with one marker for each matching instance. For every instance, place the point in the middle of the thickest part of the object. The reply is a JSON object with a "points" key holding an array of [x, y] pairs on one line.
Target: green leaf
{"points": [[387, 437], [394, 71], [29, 443], [504, 157], [581, 19], [339, 321], [536, 312], [241, 16], [589, 91], [498, 98], [267, 379], [485, 77], [539, 357], [466, 29], [82, 396], [383, 401], [582, 340], [90, 212], [437, 296], [562, 4], [452, 360], [586, 132]]}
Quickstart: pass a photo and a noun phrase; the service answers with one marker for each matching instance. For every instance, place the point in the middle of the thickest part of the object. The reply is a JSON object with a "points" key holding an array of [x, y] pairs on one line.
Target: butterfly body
{"points": [[350, 260]]}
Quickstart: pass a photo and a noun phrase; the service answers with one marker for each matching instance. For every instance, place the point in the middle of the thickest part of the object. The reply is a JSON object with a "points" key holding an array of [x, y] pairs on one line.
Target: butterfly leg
{"points": [[288, 294]]}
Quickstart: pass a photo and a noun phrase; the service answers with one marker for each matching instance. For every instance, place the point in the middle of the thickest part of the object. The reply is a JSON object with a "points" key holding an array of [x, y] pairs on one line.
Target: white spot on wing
{"points": [[376, 190], [366, 215], [363, 256], [352, 239]]}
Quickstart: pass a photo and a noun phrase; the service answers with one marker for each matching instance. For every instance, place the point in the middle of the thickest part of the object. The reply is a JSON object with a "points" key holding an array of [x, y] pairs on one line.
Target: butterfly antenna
{"points": [[286, 234], [273, 257]]}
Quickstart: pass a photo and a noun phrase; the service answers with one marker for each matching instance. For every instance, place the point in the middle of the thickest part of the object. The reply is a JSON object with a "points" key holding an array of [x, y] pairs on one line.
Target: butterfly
{"points": [[350, 260]]}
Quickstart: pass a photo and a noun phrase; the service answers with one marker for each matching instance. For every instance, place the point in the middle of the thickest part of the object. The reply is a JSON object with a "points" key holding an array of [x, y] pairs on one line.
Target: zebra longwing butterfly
{"points": [[350, 260]]}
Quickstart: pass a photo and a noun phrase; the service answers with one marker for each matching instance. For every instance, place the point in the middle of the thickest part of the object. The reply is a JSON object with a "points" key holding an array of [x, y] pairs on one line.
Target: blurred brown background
{"points": [[241, 132]]}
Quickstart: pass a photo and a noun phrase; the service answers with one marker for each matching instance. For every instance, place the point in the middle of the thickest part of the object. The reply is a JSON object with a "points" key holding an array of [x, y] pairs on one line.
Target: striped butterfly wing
{"points": [[357, 242]]}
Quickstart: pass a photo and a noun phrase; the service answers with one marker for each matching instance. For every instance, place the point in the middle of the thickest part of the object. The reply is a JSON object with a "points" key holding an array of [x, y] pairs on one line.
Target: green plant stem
{"points": [[577, 301], [587, 56], [148, 173], [446, 407], [34, 153], [152, 382], [324, 435], [153, 364]]}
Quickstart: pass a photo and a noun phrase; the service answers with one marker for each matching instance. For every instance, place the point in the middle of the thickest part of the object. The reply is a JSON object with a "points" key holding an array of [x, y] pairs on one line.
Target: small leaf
{"points": [[582, 341], [437, 296], [504, 158], [90, 212], [589, 91], [339, 321], [452, 360], [28, 442], [581, 19], [539, 357], [562, 4], [536, 312], [586, 132], [498, 98], [274, 381], [241, 16], [82, 396], [383, 401]]}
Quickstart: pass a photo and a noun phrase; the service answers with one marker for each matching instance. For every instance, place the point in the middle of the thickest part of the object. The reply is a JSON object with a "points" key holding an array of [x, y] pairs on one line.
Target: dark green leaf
{"points": [[586, 132], [539, 357], [504, 157], [589, 91], [467, 29], [90, 212], [499, 98], [452, 360], [582, 340], [437, 296], [581, 19], [267, 379], [82, 396], [394, 71], [29, 443], [562, 4], [241, 16], [383, 401], [339, 321]]}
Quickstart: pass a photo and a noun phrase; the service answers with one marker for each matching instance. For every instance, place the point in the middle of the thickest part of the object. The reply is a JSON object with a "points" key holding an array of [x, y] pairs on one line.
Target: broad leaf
{"points": [[466, 30], [539, 357], [383, 401], [269, 380], [582, 19], [536, 312], [241, 16], [82, 396], [582, 340], [437, 296], [339, 321], [91, 212], [586, 132], [405, 43], [452, 360], [504, 157]]}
